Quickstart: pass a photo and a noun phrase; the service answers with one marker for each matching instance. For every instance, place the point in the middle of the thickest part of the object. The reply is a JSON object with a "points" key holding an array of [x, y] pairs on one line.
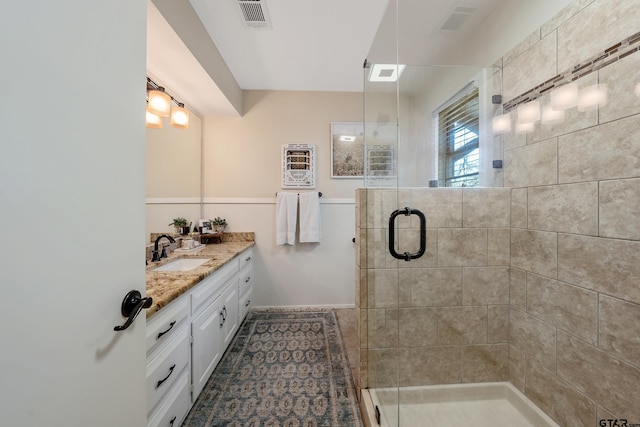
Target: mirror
{"points": [[174, 165]]}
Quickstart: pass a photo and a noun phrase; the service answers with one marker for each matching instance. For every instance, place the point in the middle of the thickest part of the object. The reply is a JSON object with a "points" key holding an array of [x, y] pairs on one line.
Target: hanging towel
{"points": [[309, 217], [286, 216]]}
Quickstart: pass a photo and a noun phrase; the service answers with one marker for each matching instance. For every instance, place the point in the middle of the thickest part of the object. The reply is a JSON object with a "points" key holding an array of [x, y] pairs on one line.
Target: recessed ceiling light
{"points": [[386, 72]]}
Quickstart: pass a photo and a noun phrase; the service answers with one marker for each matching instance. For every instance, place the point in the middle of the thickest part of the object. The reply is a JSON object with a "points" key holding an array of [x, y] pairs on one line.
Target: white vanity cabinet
{"points": [[187, 338], [208, 313], [168, 365]]}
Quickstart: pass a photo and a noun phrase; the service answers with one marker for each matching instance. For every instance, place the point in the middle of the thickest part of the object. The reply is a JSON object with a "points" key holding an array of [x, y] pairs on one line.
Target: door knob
{"points": [[131, 306]]}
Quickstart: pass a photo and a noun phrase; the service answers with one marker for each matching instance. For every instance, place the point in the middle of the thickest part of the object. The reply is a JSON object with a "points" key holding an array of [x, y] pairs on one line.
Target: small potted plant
{"points": [[219, 224], [180, 224]]}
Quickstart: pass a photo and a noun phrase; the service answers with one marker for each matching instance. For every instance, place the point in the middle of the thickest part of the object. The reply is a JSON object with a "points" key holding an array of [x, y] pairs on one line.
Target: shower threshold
{"points": [[459, 405]]}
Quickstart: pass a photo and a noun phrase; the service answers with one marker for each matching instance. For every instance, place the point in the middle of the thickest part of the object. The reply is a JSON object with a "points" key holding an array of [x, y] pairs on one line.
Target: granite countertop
{"points": [[165, 286]]}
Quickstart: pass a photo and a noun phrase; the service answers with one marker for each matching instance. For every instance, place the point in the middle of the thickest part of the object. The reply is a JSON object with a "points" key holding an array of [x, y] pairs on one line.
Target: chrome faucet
{"points": [[157, 257]]}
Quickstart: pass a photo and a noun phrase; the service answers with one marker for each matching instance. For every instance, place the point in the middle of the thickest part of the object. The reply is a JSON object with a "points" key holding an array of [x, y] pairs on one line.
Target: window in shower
{"points": [[458, 141]]}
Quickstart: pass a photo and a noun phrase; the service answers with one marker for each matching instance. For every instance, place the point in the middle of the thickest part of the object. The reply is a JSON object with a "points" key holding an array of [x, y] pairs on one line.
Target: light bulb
{"points": [[153, 121], [564, 97], [180, 117], [159, 103], [501, 124]]}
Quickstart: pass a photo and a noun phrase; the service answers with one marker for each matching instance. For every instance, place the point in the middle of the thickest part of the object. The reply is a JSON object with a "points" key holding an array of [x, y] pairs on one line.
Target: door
{"points": [[72, 141]]}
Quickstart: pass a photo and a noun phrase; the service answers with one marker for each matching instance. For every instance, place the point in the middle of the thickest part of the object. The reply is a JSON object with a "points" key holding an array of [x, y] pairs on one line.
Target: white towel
{"points": [[286, 216], [309, 217]]}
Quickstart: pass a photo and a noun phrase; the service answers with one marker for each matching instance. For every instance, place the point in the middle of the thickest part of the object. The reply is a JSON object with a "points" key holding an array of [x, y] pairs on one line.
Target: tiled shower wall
{"points": [[550, 282], [442, 318], [575, 222]]}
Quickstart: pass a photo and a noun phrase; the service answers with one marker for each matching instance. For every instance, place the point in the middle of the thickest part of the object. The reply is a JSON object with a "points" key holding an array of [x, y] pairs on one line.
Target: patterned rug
{"points": [[283, 369]]}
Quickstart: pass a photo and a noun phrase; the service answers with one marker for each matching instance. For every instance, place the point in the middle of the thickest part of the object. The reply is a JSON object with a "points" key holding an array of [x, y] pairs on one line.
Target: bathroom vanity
{"points": [[195, 315]]}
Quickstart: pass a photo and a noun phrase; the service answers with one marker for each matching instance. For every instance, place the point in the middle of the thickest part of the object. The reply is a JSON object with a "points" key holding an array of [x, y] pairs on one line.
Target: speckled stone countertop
{"points": [[165, 286]]}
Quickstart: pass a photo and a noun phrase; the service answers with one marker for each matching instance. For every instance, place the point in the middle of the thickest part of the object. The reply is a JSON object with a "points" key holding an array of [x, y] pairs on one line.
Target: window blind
{"points": [[458, 141]]}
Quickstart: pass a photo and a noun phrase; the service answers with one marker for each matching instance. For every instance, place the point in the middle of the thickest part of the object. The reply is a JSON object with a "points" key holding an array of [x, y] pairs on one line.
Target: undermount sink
{"points": [[182, 264]]}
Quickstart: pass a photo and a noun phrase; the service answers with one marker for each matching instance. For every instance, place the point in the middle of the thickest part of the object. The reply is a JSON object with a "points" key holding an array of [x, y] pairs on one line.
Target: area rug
{"points": [[283, 369]]}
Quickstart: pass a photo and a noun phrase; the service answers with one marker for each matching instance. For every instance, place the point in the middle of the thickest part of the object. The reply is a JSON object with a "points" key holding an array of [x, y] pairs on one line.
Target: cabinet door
{"points": [[230, 310], [206, 349]]}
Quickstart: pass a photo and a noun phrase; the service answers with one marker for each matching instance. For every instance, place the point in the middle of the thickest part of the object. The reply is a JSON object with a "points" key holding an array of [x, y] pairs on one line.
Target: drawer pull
{"points": [[172, 421], [167, 377], [170, 327], [247, 279], [248, 303], [224, 310], [247, 259], [221, 319]]}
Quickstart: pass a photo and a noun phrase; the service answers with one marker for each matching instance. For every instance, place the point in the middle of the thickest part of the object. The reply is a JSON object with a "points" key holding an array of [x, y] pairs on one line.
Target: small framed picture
{"points": [[347, 150]]}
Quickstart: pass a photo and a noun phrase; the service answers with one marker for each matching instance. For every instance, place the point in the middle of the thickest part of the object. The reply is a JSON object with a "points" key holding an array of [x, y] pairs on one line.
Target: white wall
{"points": [[242, 174]]}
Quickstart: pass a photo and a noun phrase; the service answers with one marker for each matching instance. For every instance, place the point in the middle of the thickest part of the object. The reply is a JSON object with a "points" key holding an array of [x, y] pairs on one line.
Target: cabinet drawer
{"points": [[246, 258], [166, 366], [163, 324], [245, 304], [205, 292], [246, 279], [174, 407]]}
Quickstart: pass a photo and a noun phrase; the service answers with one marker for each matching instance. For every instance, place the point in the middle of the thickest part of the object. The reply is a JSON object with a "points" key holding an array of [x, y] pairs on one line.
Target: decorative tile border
{"points": [[610, 55]]}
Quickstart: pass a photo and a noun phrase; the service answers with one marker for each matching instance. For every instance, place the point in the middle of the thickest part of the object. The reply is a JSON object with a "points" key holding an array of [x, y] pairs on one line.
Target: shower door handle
{"points": [[423, 234]]}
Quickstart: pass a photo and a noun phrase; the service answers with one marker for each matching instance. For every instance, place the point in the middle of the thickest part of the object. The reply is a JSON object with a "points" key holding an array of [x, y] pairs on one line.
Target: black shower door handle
{"points": [[423, 234]]}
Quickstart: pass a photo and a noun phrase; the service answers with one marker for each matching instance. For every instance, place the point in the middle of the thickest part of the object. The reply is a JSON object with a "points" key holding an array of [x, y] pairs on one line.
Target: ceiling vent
{"points": [[255, 14], [457, 18]]}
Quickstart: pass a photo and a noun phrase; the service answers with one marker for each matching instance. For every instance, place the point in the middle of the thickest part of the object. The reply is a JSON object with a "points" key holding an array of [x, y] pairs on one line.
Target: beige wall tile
{"points": [[620, 85], [564, 15], [482, 363], [430, 365], [363, 325], [519, 207], [377, 249], [534, 337], [603, 414], [534, 251], [498, 324], [527, 43], [597, 27], [517, 368], [570, 308], [608, 151], [418, 327], [442, 207], [619, 207], [531, 165], [518, 288], [534, 66], [563, 403], [604, 379], [435, 287], [569, 208], [409, 241], [462, 325], [498, 246], [361, 288], [382, 202], [485, 285], [619, 322], [604, 265], [462, 247], [383, 288], [512, 139], [486, 207], [382, 368], [382, 328]]}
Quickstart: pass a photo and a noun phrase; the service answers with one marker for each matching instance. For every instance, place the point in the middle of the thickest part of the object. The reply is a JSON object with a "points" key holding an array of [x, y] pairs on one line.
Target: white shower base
{"points": [[459, 405]]}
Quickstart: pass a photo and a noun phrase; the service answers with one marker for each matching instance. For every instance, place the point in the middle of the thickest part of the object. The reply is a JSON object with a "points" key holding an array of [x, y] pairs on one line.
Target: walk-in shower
{"points": [[507, 302]]}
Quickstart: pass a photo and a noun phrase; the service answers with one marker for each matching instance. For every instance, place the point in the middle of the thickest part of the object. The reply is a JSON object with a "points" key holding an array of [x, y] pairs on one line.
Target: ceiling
{"points": [[310, 45]]}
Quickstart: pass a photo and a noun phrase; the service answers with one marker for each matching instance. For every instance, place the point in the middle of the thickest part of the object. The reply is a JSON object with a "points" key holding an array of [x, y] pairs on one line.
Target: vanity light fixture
{"points": [[551, 116], [180, 116], [159, 105], [153, 121]]}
